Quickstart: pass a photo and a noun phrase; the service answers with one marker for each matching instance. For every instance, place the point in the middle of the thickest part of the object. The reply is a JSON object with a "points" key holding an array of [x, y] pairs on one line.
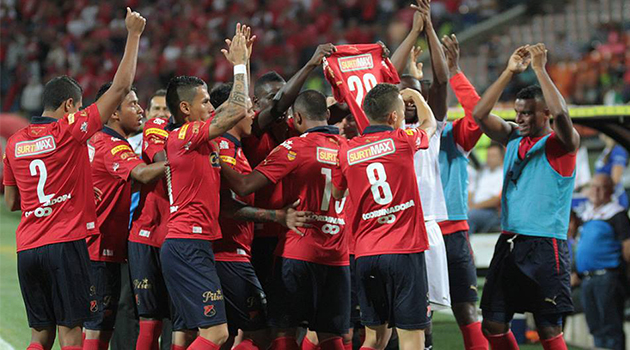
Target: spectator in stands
{"points": [[603, 254], [157, 106], [613, 161], [484, 197]]}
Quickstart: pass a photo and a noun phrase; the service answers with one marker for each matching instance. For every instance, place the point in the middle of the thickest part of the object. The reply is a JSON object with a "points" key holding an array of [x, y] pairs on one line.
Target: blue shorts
{"points": [[193, 284], [245, 301], [55, 284], [303, 291], [528, 274], [462, 272], [149, 289], [393, 290], [105, 277]]}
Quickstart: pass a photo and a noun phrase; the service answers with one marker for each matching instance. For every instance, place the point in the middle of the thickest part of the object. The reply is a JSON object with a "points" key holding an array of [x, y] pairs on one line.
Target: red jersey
{"points": [[48, 162], [377, 168], [305, 165], [195, 180], [112, 163], [151, 217], [236, 243], [561, 160], [353, 70]]}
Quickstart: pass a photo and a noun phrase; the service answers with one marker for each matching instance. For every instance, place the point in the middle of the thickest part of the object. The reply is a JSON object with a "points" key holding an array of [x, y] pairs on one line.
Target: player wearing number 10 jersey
{"points": [[390, 237], [311, 279]]}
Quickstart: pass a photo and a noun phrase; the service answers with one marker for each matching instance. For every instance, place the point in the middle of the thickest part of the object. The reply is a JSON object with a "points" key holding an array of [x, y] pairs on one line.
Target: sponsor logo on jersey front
{"points": [[354, 63], [156, 131], [229, 160], [371, 151], [120, 148], [327, 155], [34, 147]]}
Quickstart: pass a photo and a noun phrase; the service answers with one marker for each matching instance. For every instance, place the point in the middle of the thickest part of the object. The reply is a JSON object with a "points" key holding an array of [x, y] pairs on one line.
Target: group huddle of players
{"points": [[363, 227]]}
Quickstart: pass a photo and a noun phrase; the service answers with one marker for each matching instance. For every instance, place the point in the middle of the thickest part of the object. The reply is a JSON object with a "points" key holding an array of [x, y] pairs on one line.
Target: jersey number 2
{"points": [[361, 87], [35, 165]]}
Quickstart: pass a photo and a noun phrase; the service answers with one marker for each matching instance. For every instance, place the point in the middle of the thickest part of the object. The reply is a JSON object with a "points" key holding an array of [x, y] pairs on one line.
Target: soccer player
{"points": [[530, 266], [193, 189], [311, 279], [457, 140], [114, 165], [390, 238], [157, 106], [46, 175]]}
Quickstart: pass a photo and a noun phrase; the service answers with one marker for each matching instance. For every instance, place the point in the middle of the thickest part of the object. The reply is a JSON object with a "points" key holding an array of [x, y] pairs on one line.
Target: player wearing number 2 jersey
{"points": [[311, 280], [47, 176], [377, 169]]}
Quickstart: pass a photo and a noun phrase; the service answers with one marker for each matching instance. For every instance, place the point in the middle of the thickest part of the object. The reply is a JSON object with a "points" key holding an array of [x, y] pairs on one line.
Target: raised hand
{"points": [[415, 67], [385, 53], [451, 50], [519, 60], [422, 17], [323, 50], [538, 54], [237, 52], [134, 22], [409, 95]]}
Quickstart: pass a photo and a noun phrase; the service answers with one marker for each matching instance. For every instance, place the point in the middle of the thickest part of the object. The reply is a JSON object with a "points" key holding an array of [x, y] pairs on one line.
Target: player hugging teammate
{"points": [[370, 219]]}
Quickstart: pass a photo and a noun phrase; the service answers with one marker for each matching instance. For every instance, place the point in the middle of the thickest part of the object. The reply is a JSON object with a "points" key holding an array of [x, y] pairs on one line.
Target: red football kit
{"points": [[112, 163], [305, 165], [353, 70], [377, 169], [195, 180], [236, 243], [48, 162], [149, 225]]}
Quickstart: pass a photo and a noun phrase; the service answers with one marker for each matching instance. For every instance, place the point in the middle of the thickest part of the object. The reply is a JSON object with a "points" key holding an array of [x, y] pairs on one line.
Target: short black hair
{"points": [[530, 92], [180, 89], [380, 101], [60, 89], [269, 77], [220, 94], [311, 104], [103, 89], [159, 93]]}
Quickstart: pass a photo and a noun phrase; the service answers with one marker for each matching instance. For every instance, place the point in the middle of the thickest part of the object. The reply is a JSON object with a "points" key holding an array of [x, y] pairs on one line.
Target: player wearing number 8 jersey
{"points": [[377, 169], [47, 176], [311, 280]]}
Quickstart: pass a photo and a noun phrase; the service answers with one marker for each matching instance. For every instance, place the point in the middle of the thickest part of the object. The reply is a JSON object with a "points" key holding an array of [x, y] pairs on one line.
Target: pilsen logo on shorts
{"points": [[354, 63], [38, 146], [371, 151]]}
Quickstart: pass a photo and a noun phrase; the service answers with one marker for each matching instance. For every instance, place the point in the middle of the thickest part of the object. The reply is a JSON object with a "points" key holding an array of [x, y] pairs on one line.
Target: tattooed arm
{"points": [[235, 108]]}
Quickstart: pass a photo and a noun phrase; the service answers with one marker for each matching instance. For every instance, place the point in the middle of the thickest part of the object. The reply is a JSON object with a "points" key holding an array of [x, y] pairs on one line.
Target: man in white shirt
{"points": [[485, 195]]}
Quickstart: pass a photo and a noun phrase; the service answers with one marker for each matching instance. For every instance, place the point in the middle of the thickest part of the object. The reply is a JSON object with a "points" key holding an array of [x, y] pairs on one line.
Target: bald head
{"points": [[602, 188]]}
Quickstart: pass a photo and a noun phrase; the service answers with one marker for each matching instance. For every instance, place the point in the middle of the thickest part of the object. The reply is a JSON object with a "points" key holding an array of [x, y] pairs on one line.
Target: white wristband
{"points": [[240, 69]]}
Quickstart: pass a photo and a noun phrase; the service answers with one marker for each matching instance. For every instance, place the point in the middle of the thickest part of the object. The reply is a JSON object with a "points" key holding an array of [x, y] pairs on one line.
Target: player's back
{"points": [[48, 162], [378, 171], [305, 165]]}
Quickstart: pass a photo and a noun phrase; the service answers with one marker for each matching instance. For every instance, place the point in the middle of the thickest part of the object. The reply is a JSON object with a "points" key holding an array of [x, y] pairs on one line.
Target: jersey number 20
{"points": [[361, 87]]}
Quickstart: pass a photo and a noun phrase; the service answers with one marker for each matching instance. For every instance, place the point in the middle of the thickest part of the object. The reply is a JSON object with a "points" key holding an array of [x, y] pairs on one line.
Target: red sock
{"points": [[177, 347], [347, 346], [82, 338], [307, 344], [90, 344], [71, 348], [555, 343], [366, 348], [473, 337], [246, 344], [202, 343], [335, 343], [505, 341], [35, 346], [150, 331], [285, 343]]}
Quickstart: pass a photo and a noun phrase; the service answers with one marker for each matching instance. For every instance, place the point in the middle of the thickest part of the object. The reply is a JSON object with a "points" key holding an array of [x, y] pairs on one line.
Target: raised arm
{"points": [[495, 127], [425, 115], [400, 56], [562, 124], [123, 79], [438, 89], [235, 108]]}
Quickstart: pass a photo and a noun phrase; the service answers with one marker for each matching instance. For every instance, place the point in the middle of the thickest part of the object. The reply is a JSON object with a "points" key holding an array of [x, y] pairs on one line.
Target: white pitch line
{"points": [[4, 345]]}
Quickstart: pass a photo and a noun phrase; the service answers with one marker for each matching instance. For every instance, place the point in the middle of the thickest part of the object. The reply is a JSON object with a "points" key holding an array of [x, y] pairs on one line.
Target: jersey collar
{"points": [[377, 128], [42, 120], [327, 129], [234, 140], [111, 132]]}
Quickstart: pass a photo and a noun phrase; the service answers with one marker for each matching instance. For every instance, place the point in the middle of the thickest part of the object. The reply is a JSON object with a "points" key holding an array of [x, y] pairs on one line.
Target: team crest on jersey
{"points": [[354, 63], [291, 155], [327, 155], [33, 147], [371, 151], [120, 148], [214, 160]]}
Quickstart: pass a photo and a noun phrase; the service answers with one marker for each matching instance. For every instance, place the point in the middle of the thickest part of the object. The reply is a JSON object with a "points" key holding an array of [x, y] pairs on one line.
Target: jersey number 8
{"points": [[381, 191]]}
